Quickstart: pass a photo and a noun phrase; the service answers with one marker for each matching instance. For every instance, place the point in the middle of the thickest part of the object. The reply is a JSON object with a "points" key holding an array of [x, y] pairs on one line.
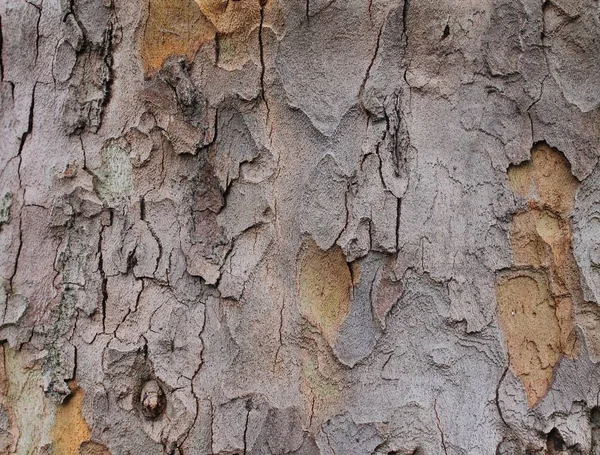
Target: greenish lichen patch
{"points": [[5, 204], [113, 180]]}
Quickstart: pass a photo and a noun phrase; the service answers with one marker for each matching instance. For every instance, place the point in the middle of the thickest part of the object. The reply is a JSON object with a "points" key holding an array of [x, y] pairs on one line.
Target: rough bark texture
{"points": [[311, 227]]}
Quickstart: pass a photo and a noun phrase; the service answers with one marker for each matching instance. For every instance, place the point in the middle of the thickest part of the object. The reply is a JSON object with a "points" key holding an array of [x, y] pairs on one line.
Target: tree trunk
{"points": [[280, 227]]}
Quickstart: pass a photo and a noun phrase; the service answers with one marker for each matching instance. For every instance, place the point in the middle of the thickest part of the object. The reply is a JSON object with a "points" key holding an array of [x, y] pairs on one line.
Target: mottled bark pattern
{"points": [[317, 227]]}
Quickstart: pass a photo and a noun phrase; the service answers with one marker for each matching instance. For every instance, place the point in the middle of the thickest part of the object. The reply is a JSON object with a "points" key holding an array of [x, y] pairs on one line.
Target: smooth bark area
{"points": [[321, 227]]}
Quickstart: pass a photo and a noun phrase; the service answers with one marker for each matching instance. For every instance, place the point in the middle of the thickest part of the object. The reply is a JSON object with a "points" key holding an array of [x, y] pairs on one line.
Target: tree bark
{"points": [[284, 227]]}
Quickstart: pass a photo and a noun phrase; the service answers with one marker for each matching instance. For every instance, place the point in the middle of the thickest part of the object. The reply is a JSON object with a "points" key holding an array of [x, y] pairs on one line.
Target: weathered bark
{"points": [[321, 227]]}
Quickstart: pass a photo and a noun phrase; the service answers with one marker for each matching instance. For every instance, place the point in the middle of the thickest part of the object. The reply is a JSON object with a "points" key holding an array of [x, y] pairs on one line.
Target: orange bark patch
{"points": [[324, 284], [70, 429], [537, 296], [173, 27]]}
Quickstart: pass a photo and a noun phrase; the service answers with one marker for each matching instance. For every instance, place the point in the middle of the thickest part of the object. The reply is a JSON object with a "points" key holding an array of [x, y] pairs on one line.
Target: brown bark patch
{"points": [[324, 285], [93, 448], [234, 22], [70, 429], [173, 27], [536, 297]]}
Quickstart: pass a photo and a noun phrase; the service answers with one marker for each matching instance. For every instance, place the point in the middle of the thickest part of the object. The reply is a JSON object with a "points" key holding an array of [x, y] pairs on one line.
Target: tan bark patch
{"points": [[324, 284], [180, 27], [231, 16], [536, 297], [174, 27], [70, 429], [531, 329]]}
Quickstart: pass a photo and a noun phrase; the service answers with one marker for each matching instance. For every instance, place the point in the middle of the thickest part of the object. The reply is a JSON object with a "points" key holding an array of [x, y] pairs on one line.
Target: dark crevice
{"points": [[555, 443], [446, 32], [366, 78], [104, 289], [405, 21], [142, 208], [498, 391], [262, 54], [1, 49], [308, 11], [37, 31], [398, 215], [248, 404], [107, 59]]}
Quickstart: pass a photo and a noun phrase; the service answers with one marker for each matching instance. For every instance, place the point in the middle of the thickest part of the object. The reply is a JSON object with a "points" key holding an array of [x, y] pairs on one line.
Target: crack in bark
{"points": [[262, 55], [398, 217], [367, 73], [498, 391], [439, 427], [194, 393], [347, 210], [405, 9], [248, 408], [37, 30], [24, 137], [104, 279], [1, 49], [544, 7], [280, 331], [308, 11]]}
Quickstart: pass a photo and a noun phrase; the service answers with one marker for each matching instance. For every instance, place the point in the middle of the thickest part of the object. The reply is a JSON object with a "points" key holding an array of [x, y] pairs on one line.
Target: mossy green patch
{"points": [[113, 180]]}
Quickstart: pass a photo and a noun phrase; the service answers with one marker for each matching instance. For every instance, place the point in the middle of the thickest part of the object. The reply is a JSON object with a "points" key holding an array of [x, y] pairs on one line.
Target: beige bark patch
{"points": [[537, 296], [324, 285], [321, 381], [231, 16], [173, 27], [70, 429], [31, 414]]}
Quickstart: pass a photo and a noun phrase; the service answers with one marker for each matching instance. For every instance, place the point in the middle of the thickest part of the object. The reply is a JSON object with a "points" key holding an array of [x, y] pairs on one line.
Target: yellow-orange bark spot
{"points": [[537, 296], [324, 284], [173, 28], [70, 429]]}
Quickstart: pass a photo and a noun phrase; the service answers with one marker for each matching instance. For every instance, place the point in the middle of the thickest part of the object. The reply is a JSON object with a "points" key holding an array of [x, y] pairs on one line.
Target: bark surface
{"points": [[299, 227]]}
